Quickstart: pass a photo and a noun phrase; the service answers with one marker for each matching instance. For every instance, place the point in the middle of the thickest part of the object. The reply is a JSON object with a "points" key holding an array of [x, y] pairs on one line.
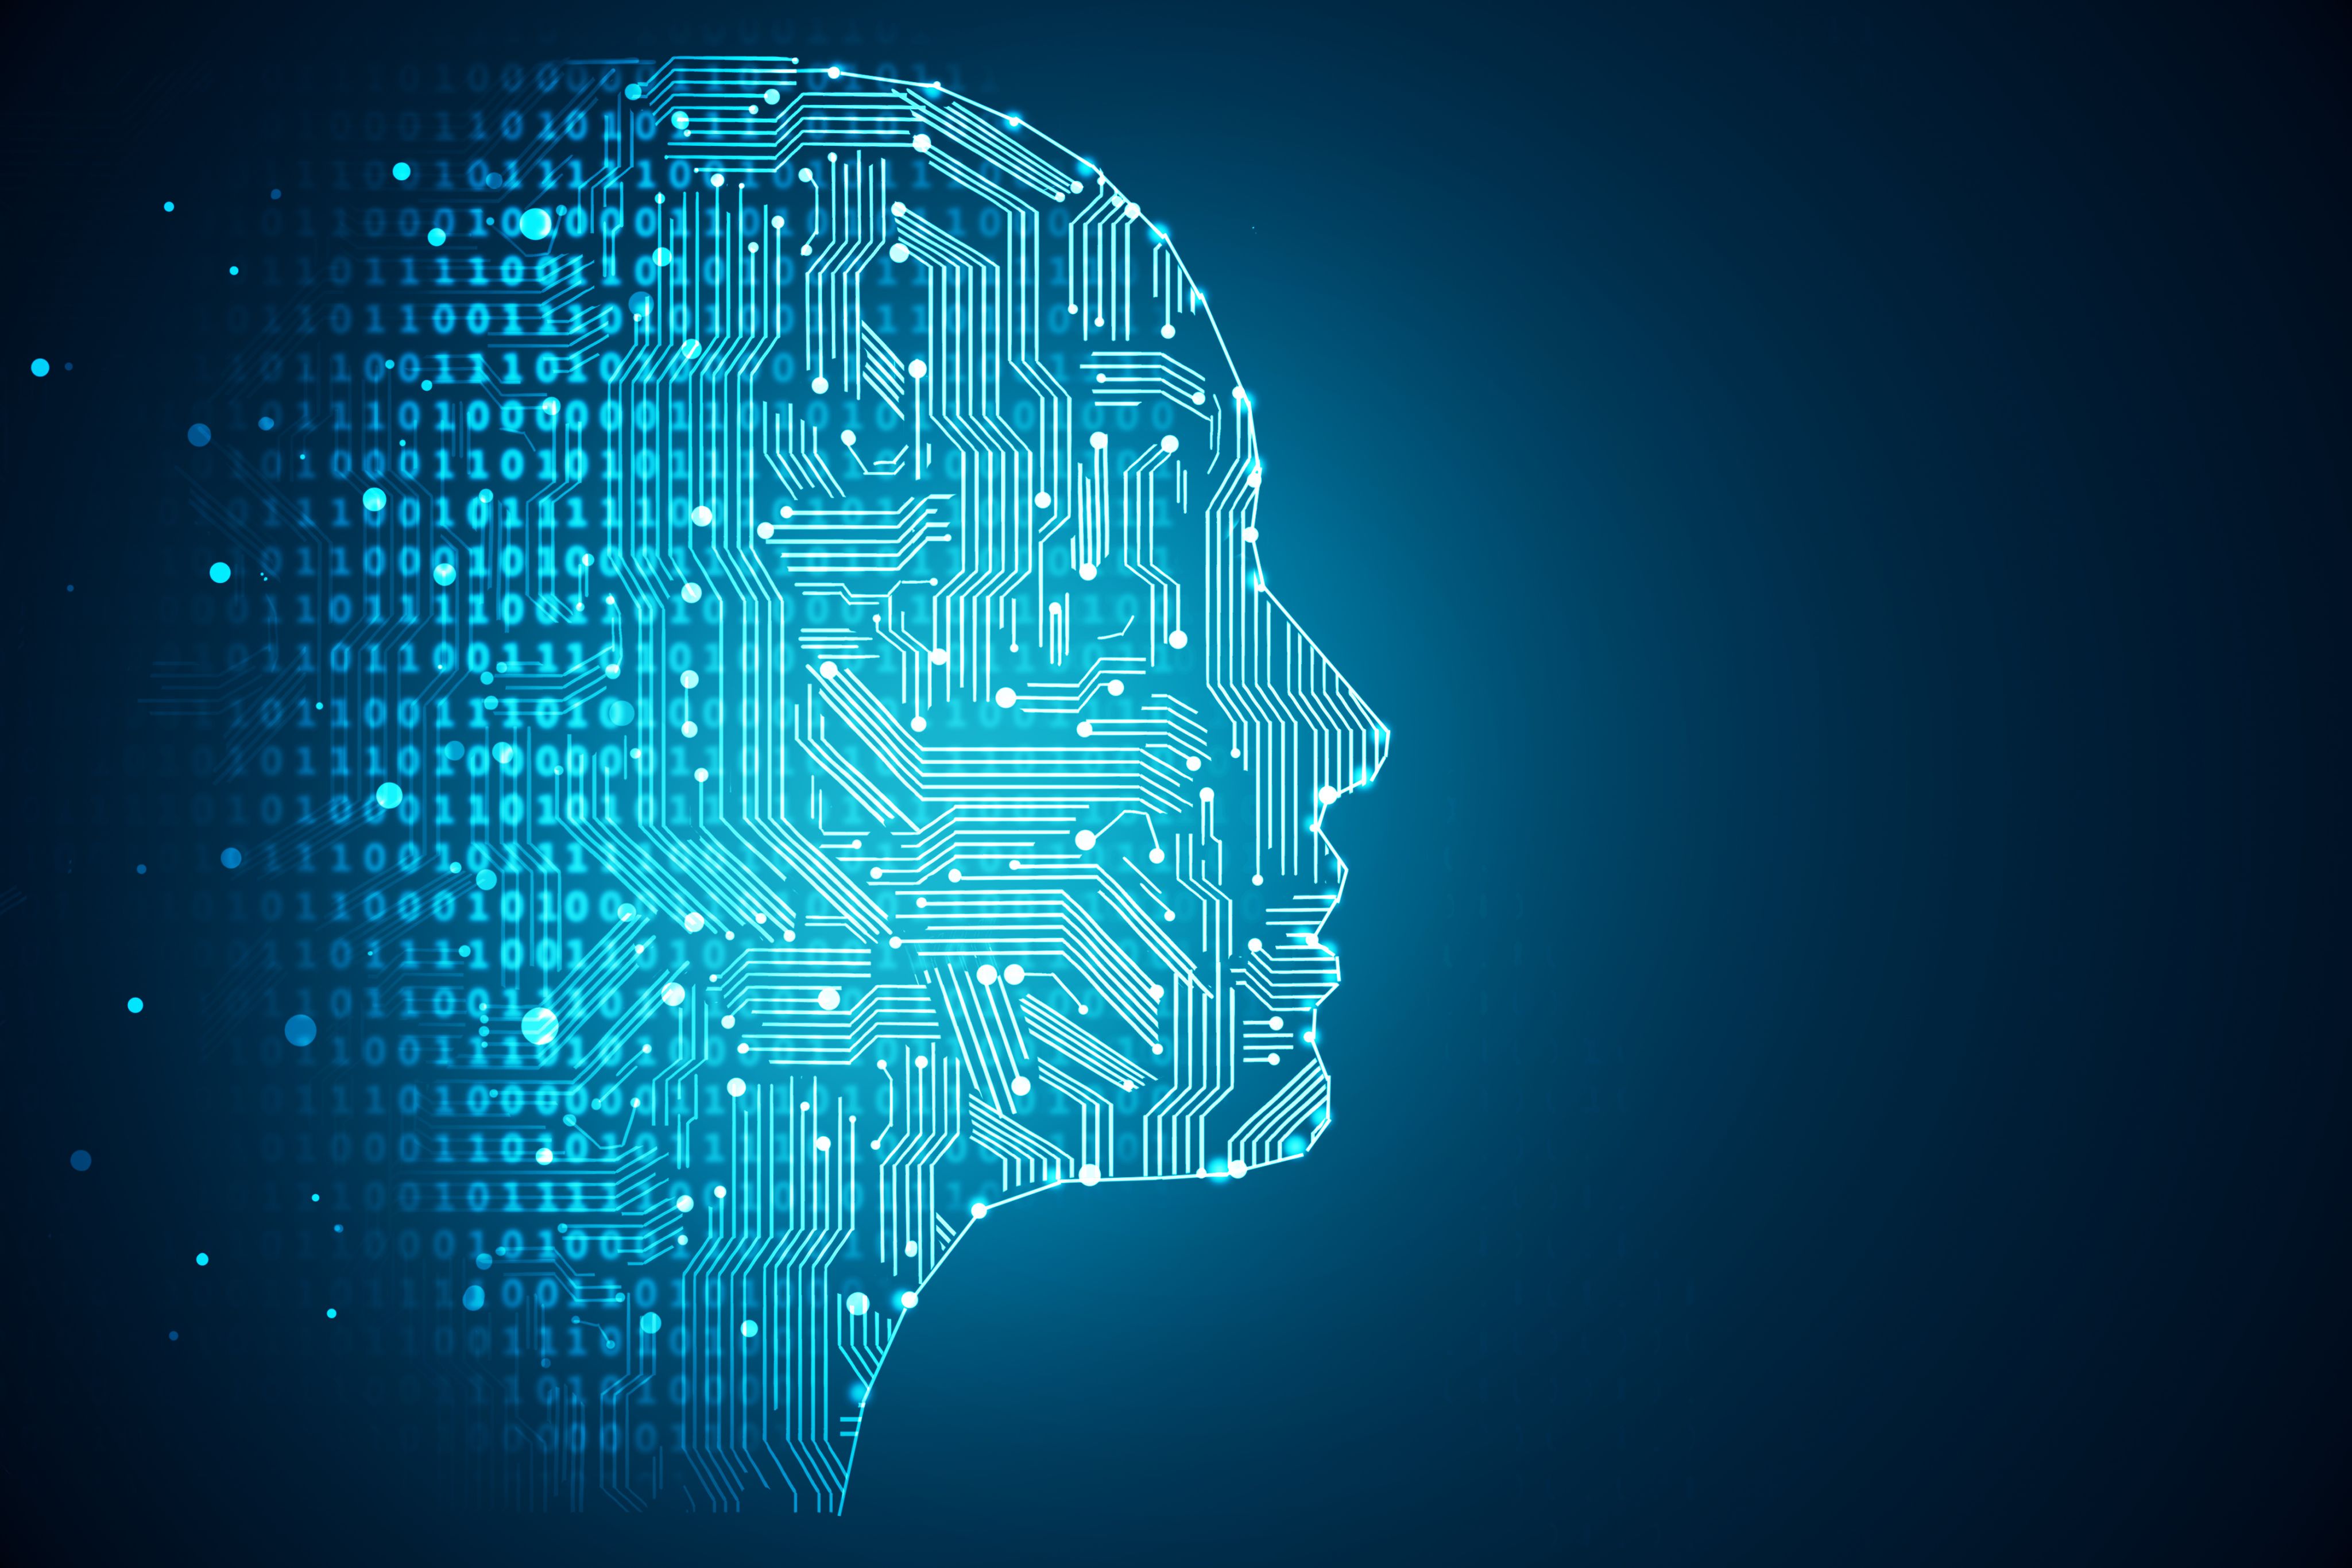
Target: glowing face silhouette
{"points": [[1000, 744]]}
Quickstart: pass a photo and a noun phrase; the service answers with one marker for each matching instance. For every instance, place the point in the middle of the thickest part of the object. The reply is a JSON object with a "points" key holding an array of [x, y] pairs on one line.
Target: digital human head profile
{"points": [[875, 778]]}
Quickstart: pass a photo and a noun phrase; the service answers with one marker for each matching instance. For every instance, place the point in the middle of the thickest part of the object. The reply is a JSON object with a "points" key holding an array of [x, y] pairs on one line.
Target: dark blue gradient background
{"points": [[1843, 1056]]}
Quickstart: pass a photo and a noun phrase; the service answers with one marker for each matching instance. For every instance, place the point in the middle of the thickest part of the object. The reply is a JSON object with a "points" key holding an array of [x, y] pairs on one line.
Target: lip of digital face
{"points": [[846, 689]]}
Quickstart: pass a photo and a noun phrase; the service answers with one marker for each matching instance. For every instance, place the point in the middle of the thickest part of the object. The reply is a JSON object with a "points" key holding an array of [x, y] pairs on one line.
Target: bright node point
{"points": [[1015, 974], [1167, 329], [702, 516], [691, 920], [1157, 854], [923, 1061], [547, 1157], [917, 724], [219, 572], [1045, 497], [372, 498], [827, 670], [436, 236], [907, 1301], [539, 1024], [1249, 536], [1020, 1084], [922, 142], [1177, 639], [673, 993], [1086, 726], [1256, 946], [689, 679], [537, 223], [1134, 209], [1236, 1168], [849, 438], [204, 1259], [1086, 838], [1167, 443], [828, 999], [136, 1005], [445, 574], [917, 369], [824, 1144], [1115, 687], [856, 1303], [986, 974], [1194, 763], [650, 1322], [685, 1203], [1099, 440], [1089, 1174], [913, 1248], [1327, 794], [1207, 793], [735, 1086], [401, 171], [938, 655], [818, 385], [1087, 570], [751, 1329], [1004, 697], [1157, 993], [387, 795], [899, 253], [980, 1211]]}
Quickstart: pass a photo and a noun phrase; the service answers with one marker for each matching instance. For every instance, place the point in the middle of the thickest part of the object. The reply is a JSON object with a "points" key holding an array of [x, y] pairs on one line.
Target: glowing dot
{"points": [[79, 1159], [1256, 946], [485, 879], [136, 1005], [204, 1259], [372, 498], [922, 143], [751, 1329], [539, 1024], [1015, 974], [899, 253], [856, 1303], [923, 1061], [200, 434], [387, 795], [735, 1086], [691, 593], [1087, 570], [918, 724], [401, 171], [219, 572], [537, 223], [1159, 993], [680, 119], [1167, 443], [818, 385], [1089, 1174], [436, 236], [938, 655], [1157, 854], [826, 669], [650, 1322], [1177, 639], [1194, 763], [986, 974], [1086, 838], [40, 367], [547, 1157], [1085, 727], [1020, 1084], [1249, 536], [1099, 440], [1045, 499], [1134, 209], [980, 1211], [1327, 794], [673, 993], [907, 1301], [823, 1145], [685, 1203], [302, 1029], [1167, 329], [690, 679], [1005, 698], [445, 574], [717, 181]]}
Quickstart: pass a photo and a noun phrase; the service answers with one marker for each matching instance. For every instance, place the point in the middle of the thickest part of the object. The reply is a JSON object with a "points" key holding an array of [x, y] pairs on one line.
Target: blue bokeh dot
{"points": [[79, 1159], [219, 571], [372, 498], [202, 1258], [650, 1322], [200, 434], [436, 236], [136, 1005], [302, 1029], [387, 795], [401, 171], [40, 367], [473, 1298], [232, 857]]}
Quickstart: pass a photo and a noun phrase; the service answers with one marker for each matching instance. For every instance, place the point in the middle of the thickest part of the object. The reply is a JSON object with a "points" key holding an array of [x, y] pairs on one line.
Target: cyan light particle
{"points": [[220, 572], [302, 1029]]}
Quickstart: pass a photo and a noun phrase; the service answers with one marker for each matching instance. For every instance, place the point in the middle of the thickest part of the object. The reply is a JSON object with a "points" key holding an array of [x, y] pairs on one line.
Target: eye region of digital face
{"points": [[764, 695]]}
